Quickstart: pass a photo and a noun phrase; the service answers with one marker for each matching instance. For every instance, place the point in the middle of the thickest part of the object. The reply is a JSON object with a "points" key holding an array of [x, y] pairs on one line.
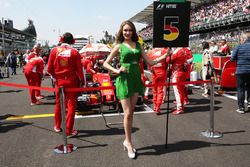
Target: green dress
{"points": [[130, 82]]}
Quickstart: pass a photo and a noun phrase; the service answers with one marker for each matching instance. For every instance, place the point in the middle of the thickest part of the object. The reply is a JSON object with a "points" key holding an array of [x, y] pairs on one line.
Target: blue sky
{"points": [[81, 17]]}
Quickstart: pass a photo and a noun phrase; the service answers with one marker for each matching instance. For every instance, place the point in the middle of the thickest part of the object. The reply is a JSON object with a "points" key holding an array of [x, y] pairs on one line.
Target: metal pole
{"points": [[168, 108], [65, 148], [211, 133], [212, 105], [63, 124]]}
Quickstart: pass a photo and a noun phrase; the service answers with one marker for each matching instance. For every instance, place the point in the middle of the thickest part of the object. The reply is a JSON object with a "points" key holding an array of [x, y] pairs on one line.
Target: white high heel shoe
{"points": [[130, 155]]}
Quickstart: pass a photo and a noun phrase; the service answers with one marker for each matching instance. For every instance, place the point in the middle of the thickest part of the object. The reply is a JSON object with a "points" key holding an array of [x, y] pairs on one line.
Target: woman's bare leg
{"points": [[128, 106]]}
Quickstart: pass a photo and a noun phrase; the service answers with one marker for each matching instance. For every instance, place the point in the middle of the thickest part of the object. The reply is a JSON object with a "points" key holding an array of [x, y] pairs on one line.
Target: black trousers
{"points": [[243, 84]]}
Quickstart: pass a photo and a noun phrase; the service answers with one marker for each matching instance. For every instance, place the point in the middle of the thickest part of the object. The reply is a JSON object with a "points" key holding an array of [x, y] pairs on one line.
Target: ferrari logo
{"points": [[64, 63], [59, 50]]}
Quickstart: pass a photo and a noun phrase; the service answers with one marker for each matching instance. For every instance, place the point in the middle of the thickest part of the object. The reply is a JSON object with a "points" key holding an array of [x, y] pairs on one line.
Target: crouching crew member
{"points": [[65, 66], [36, 52], [33, 72]]}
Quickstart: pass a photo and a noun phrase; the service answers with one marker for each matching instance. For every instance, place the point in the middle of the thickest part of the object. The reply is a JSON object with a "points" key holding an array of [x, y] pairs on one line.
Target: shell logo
{"points": [[106, 84]]}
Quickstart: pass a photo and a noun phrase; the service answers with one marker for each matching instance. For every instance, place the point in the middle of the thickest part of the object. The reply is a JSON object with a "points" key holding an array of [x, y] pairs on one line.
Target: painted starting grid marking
{"points": [[231, 97], [228, 96], [146, 107]]}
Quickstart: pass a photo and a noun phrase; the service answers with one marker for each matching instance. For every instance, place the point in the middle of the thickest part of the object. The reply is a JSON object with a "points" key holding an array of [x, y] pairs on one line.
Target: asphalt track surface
{"points": [[27, 138]]}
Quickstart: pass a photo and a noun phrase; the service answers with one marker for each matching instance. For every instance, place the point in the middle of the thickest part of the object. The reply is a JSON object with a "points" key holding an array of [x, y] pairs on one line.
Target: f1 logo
{"points": [[160, 6], [170, 23]]}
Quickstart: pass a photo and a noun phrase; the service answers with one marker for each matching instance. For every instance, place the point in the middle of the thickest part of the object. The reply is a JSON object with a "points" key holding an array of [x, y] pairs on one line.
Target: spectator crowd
{"points": [[214, 10]]}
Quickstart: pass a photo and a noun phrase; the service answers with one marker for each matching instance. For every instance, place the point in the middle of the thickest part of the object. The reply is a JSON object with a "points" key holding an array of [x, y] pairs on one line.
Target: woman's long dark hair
{"points": [[205, 45], [120, 38]]}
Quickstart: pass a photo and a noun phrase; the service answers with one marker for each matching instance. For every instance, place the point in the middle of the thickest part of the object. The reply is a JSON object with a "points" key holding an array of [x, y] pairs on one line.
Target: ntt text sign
{"points": [[171, 24]]}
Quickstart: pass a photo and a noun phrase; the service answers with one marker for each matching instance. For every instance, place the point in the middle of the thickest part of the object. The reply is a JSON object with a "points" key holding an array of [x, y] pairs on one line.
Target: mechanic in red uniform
{"points": [[65, 66], [188, 64], [36, 52], [33, 72], [224, 48], [159, 76], [88, 64], [178, 60]]}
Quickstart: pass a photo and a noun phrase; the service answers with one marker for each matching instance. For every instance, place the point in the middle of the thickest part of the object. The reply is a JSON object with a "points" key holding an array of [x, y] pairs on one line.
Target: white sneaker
{"points": [[57, 130], [240, 110], [205, 95], [40, 97]]}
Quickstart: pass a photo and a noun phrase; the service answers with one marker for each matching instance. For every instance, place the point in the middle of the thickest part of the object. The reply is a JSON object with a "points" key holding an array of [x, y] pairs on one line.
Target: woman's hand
{"points": [[169, 52], [121, 70]]}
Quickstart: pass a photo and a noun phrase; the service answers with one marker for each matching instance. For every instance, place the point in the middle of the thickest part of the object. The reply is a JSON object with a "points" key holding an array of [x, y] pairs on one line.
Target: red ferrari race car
{"points": [[97, 76], [97, 98]]}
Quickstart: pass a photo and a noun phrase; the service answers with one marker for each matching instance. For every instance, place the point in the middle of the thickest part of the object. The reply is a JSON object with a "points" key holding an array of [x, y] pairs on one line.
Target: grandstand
{"points": [[14, 38], [209, 20]]}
